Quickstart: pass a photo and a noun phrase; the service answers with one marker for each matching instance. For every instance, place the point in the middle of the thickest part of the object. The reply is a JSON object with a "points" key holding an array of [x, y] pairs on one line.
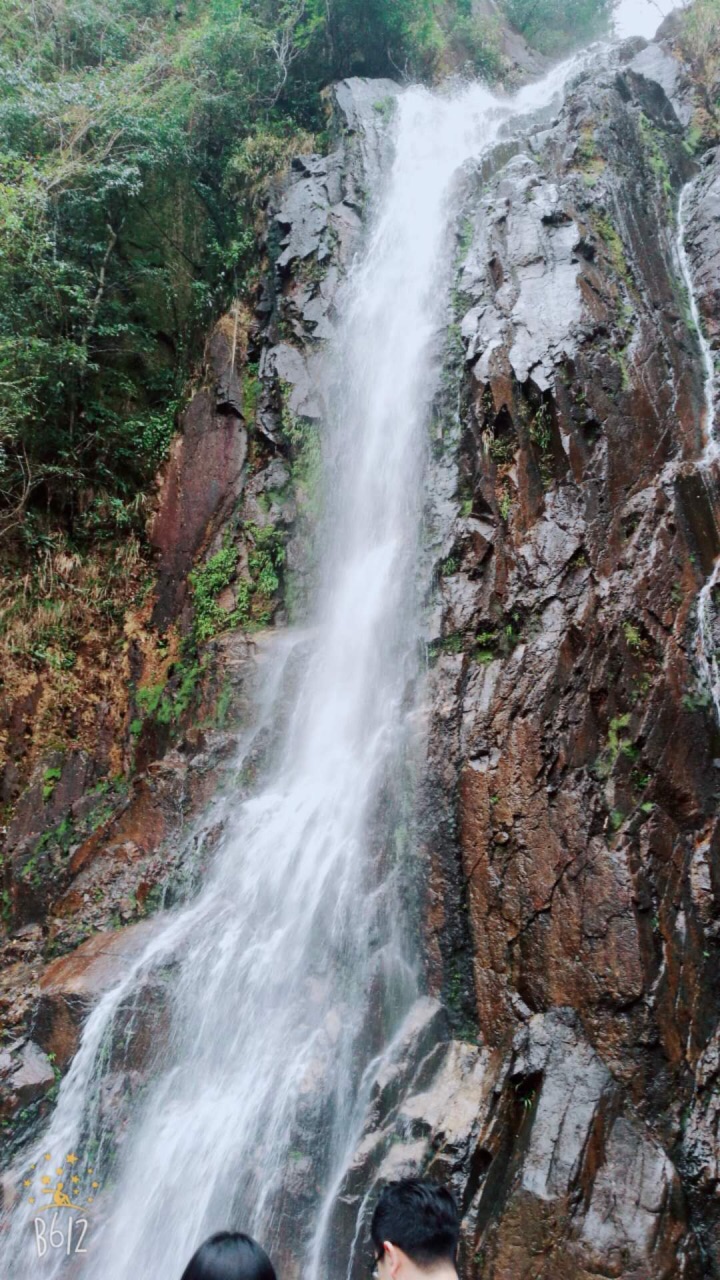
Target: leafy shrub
{"points": [[700, 44], [555, 26], [138, 139]]}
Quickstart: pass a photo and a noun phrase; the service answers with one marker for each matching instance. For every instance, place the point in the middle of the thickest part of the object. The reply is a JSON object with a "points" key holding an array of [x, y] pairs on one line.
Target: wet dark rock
{"points": [[655, 62], [292, 368], [59, 803], [316, 228], [538, 304], [422, 1109], [542, 1150], [26, 1074], [568, 732]]}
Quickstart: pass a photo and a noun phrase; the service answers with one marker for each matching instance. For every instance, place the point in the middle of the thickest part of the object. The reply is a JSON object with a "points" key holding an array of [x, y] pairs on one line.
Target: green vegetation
{"points": [[253, 592], [138, 139], [251, 393], [50, 779], [206, 584], [50, 852], [137, 142], [587, 156], [223, 704], [499, 641], [640, 687], [656, 158], [697, 701], [501, 448], [616, 744], [167, 702], [633, 637], [304, 437], [541, 428], [614, 247], [700, 45], [620, 357], [250, 593], [554, 26], [452, 643], [385, 107], [486, 647]]}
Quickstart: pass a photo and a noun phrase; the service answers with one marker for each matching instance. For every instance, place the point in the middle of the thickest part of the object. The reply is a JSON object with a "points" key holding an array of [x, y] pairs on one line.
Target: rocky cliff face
{"points": [[563, 1072], [572, 834], [569, 725]]}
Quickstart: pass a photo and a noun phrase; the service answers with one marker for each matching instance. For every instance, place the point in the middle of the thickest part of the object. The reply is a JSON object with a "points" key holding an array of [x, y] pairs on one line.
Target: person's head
{"points": [[415, 1227], [229, 1255]]}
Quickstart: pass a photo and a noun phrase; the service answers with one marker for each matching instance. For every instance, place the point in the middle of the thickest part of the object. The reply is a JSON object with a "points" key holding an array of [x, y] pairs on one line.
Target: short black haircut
{"points": [[229, 1255], [421, 1218]]}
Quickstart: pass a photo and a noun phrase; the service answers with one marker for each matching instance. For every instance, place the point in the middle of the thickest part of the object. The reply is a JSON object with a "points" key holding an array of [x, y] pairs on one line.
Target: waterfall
{"points": [[291, 970], [712, 447], [705, 645]]}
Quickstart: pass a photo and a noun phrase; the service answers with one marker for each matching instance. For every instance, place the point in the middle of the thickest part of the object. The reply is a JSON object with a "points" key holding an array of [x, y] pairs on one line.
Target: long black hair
{"points": [[229, 1255]]}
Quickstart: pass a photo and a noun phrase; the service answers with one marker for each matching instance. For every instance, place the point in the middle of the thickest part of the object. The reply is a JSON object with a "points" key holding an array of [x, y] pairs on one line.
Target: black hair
{"points": [[229, 1255], [421, 1218]]}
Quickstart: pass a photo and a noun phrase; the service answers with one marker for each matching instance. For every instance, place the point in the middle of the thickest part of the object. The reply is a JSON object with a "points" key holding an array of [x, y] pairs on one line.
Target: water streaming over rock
{"points": [[712, 446], [706, 647], [289, 974], [705, 642]]}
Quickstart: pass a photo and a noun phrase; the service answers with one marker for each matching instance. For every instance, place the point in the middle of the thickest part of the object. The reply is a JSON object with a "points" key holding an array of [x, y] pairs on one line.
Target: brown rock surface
{"points": [[71, 985], [573, 745], [201, 480]]}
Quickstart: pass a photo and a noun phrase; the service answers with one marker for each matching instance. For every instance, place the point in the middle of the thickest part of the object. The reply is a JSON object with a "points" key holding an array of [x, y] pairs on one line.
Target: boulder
{"points": [[26, 1074], [73, 984]]}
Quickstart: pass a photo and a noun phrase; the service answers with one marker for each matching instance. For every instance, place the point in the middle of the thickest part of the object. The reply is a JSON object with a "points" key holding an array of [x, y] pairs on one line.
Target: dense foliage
{"points": [[556, 25], [137, 138], [700, 43], [121, 126]]}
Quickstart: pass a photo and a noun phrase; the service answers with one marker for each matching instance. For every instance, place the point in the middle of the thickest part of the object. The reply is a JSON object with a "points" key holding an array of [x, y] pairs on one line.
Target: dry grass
{"points": [[64, 646]]}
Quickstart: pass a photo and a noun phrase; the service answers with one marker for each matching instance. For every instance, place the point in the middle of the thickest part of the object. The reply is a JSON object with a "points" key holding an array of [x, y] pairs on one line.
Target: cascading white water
{"points": [[706, 646], [705, 643], [291, 967], [711, 450]]}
